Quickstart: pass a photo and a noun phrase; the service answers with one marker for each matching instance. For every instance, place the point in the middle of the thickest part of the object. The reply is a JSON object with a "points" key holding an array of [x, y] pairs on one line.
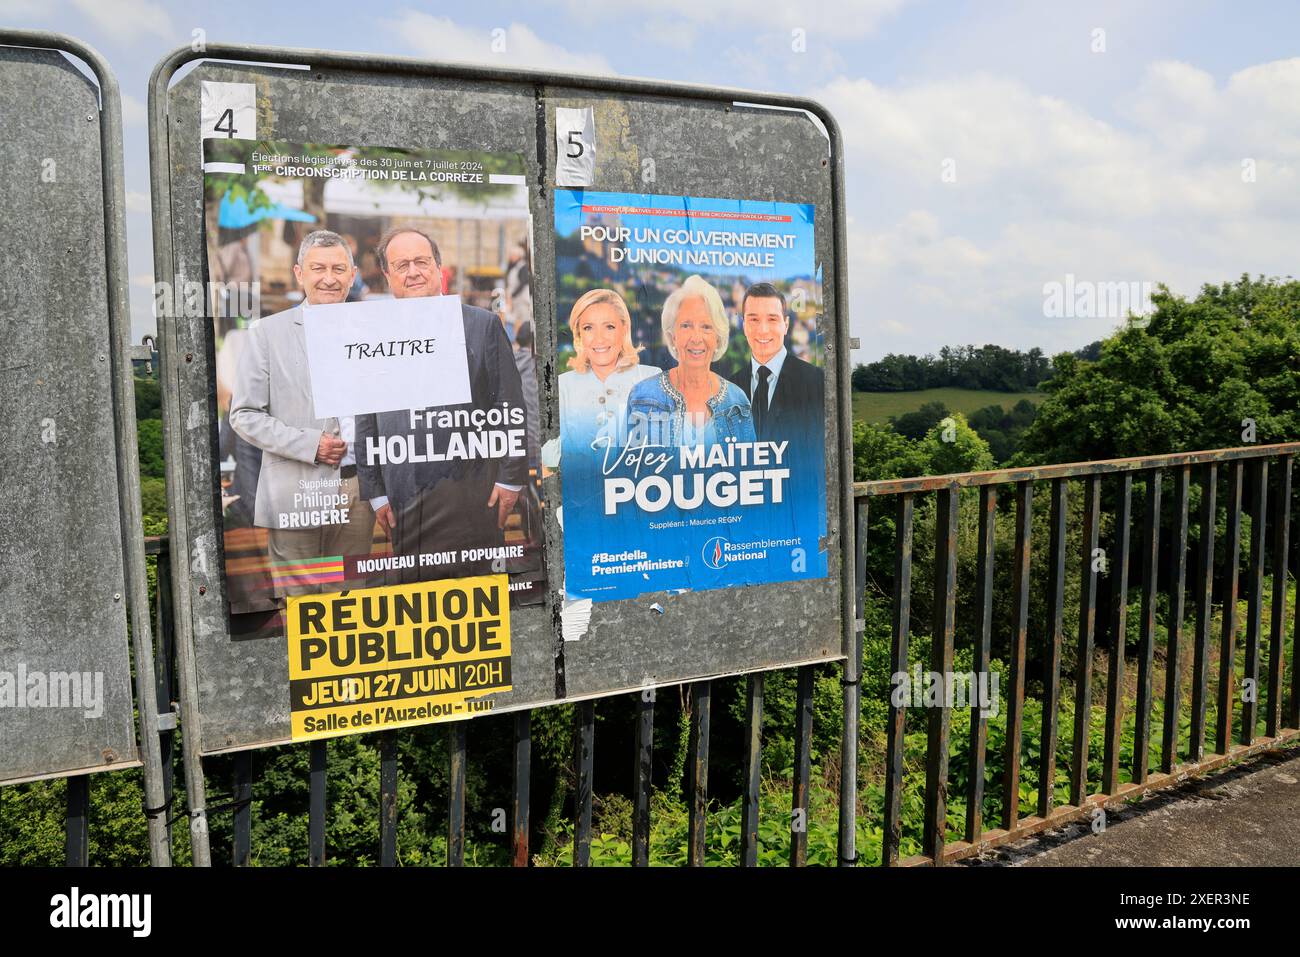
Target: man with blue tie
{"points": [[785, 393]]}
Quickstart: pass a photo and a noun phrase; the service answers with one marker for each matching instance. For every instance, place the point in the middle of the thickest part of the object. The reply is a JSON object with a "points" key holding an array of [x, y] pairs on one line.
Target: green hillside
{"points": [[878, 407]]}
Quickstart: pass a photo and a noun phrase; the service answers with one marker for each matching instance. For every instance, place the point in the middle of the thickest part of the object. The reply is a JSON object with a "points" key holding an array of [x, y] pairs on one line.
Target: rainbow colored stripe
{"points": [[310, 571]]}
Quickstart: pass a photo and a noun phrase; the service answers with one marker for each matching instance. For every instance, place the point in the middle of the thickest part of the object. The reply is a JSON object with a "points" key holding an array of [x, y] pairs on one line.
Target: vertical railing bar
{"points": [[1227, 645], [894, 744], [388, 799], [1204, 611], [164, 656], [803, 725], [1177, 609], [1147, 629], [1293, 709], [1118, 633], [701, 702], [945, 600], [1019, 637], [521, 796], [316, 804], [584, 742], [1087, 633], [1255, 599], [851, 692], [76, 837], [753, 769], [456, 747], [1277, 618], [644, 757], [242, 798], [1052, 649], [979, 723]]}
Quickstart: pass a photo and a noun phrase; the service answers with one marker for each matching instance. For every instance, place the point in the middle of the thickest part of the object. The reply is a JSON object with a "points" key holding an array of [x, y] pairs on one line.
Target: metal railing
{"points": [[1247, 480]]}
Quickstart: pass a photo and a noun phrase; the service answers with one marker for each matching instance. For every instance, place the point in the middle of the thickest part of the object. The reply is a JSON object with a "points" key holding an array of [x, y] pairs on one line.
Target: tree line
{"points": [[988, 367]]}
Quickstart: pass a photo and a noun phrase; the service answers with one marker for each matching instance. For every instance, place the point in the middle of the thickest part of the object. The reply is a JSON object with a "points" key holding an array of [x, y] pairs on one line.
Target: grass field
{"points": [[878, 407]]}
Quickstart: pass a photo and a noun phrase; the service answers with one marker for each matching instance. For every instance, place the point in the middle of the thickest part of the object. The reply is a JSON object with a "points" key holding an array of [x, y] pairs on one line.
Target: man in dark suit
{"points": [[785, 393], [442, 506]]}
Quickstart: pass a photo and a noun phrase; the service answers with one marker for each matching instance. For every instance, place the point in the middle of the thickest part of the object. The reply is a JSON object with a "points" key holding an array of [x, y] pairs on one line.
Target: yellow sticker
{"points": [[401, 655]]}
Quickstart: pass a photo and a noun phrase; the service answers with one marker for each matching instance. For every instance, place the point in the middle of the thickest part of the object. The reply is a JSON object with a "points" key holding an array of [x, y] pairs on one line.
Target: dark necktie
{"points": [[760, 398]]}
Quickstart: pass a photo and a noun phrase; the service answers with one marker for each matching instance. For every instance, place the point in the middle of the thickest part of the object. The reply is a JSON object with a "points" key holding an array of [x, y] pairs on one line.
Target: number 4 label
{"points": [[229, 111], [575, 145]]}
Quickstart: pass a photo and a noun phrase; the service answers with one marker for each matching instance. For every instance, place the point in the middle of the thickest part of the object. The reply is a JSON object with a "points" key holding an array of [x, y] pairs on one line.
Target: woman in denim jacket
{"points": [[690, 404]]}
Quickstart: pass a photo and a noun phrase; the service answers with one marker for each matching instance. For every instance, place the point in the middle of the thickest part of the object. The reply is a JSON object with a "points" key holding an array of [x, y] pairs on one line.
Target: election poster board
{"points": [[67, 578], [377, 401], [692, 422]]}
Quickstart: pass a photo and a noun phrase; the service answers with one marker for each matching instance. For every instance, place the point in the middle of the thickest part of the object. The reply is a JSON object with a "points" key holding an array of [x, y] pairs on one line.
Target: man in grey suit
{"points": [[458, 504], [307, 491]]}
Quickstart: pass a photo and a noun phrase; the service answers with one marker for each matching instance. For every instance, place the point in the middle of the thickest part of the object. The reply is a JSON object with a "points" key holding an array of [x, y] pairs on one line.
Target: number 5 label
{"points": [[575, 146], [229, 111]]}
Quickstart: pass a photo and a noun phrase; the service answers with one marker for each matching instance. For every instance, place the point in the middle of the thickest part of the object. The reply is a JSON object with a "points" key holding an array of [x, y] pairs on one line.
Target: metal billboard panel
{"points": [[65, 678], [701, 143]]}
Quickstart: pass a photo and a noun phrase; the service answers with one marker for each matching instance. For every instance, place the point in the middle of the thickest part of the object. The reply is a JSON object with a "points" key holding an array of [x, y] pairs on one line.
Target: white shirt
{"points": [[348, 433], [589, 406], [775, 363]]}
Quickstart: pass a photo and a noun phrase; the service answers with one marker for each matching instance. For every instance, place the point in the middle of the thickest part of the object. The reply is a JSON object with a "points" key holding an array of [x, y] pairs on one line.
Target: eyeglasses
{"points": [[403, 266]]}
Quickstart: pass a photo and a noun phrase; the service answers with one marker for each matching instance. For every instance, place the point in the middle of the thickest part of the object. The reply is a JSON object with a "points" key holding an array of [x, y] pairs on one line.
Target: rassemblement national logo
{"points": [[719, 552]]}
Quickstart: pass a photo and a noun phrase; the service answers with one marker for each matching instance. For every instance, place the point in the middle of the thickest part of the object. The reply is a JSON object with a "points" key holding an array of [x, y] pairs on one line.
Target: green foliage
{"points": [[279, 810], [915, 425], [1003, 429], [153, 503], [953, 446], [1183, 380], [949, 445], [880, 453], [148, 399], [966, 367], [149, 432], [32, 822]]}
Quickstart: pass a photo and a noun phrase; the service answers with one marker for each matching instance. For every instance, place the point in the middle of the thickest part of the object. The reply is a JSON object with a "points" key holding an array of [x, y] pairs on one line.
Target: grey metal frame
{"points": [[137, 591], [164, 266]]}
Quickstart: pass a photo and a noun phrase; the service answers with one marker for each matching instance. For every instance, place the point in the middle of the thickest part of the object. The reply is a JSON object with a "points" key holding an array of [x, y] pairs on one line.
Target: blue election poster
{"points": [[692, 394]]}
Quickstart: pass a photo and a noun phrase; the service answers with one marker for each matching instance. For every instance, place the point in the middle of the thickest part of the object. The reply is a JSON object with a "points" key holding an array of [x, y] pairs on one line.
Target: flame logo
{"points": [[713, 552]]}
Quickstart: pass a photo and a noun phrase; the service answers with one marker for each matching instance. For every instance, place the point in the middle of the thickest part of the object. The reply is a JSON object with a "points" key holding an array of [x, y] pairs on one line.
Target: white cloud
{"points": [[837, 19], [1045, 188], [674, 33], [127, 20], [134, 112], [771, 61], [21, 9], [517, 45], [137, 202]]}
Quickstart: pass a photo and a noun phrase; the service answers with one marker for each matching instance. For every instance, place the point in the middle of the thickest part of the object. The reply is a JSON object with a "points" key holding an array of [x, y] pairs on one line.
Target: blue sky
{"points": [[992, 148]]}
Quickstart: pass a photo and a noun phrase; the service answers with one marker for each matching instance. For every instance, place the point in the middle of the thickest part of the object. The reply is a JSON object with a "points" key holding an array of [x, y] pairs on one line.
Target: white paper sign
{"points": [[380, 355], [228, 111], [575, 145]]}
